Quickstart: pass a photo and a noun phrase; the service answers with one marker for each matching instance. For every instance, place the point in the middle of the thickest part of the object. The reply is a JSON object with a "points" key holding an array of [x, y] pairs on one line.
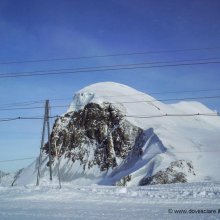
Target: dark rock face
{"points": [[98, 138], [17, 174], [173, 174], [123, 181], [96, 135], [2, 177]]}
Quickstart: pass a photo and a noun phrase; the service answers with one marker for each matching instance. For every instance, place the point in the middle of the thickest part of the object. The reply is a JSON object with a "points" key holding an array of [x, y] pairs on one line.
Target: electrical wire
{"points": [[172, 115], [130, 116], [166, 152], [25, 118], [18, 159], [134, 116], [121, 102], [21, 104], [108, 55], [110, 69], [108, 66], [7, 105]]}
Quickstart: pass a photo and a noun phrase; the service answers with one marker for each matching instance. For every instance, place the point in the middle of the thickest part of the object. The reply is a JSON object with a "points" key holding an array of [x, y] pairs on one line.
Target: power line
{"points": [[25, 118], [22, 108], [185, 91], [108, 55], [20, 104], [131, 116], [153, 93], [150, 93], [18, 159], [8, 119], [109, 66], [173, 99], [175, 152], [127, 116], [7, 105], [111, 69], [172, 115], [119, 102]]}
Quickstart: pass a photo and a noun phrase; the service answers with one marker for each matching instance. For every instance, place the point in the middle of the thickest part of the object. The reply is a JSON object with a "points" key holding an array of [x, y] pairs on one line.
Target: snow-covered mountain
{"points": [[103, 139]]}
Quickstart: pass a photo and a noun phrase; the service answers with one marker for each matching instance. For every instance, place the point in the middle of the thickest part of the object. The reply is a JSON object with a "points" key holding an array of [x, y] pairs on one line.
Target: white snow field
{"points": [[89, 195], [198, 200]]}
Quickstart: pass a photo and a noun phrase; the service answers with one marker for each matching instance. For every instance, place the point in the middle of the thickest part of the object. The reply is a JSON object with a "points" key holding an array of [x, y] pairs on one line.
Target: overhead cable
{"points": [[109, 55], [128, 67]]}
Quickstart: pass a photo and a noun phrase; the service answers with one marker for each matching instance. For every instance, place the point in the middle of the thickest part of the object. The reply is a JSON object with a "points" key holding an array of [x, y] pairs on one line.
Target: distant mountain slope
{"points": [[2, 174], [5, 178], [100, 141]]}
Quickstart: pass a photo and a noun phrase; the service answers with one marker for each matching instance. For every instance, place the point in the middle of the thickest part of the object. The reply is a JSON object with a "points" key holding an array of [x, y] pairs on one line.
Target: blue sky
{"points": [[56, 29]]}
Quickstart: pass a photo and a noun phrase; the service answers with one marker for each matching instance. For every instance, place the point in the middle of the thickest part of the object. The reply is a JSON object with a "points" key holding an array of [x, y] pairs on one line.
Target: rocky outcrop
{"points": [[95, 135], [4, 177], [16, 176], [99, 137], [3, 174], [177, 172], [123, 181]]}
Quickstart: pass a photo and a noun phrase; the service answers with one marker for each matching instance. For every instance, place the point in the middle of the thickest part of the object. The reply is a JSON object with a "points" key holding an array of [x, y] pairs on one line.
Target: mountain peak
{"points": [[109, 137], [110, 92]]}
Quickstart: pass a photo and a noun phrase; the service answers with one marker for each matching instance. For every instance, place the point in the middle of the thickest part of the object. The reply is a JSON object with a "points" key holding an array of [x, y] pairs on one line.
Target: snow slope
{"points": [[168, 139]]}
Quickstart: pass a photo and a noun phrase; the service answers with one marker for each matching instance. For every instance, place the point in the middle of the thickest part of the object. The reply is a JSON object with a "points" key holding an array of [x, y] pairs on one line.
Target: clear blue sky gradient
{"points": [[56, 29]]}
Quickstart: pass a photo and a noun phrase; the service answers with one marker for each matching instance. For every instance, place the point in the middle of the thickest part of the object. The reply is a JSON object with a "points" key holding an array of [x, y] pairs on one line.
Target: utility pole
{"points": [[48, 133], [58, 168], [46, 123]]}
